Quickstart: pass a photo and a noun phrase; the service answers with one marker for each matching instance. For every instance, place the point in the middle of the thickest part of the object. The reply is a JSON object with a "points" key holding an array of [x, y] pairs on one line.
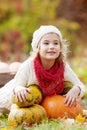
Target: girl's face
{"points": [[49, 46]]}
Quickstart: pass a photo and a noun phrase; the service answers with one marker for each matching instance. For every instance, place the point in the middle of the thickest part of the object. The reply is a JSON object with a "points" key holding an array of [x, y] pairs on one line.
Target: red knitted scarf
{"points": [[50, 81]]}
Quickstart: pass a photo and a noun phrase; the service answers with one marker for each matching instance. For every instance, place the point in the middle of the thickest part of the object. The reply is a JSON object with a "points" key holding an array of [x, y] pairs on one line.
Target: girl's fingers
{"points": [[66, 99], [69, 101], [21, 96], [28, 90], [24, 96]]}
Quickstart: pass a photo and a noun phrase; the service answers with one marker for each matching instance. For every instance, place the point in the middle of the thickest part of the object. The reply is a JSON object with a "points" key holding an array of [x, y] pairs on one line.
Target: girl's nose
{"points": [[51, 46]]}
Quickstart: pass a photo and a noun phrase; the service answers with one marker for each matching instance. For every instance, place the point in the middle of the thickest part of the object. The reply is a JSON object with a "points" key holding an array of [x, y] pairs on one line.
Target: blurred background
{"points": [[20, 18]]}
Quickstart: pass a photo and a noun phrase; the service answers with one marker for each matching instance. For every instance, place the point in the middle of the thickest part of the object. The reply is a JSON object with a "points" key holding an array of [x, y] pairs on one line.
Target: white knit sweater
{"points": [[26, 76]]}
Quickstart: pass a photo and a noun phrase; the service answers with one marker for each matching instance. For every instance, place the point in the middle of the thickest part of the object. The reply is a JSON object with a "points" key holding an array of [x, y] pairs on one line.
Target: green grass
{"points": [[47, 125], [58, 125]]}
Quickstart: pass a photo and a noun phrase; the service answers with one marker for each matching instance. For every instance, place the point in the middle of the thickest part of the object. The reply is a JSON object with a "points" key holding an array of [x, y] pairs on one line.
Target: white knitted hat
{"points": [[39, 33]]}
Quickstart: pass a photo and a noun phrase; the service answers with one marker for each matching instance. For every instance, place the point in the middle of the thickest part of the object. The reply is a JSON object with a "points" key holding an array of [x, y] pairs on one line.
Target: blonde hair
{"points": [[64, 50]]}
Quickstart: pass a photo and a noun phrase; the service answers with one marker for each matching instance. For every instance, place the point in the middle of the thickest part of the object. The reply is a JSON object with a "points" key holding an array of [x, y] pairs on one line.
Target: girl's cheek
{"points": [[43, 48]]}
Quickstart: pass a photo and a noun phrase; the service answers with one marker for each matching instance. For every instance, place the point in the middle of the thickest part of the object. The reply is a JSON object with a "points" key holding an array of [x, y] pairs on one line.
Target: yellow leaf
{"points": [[80, 118]]}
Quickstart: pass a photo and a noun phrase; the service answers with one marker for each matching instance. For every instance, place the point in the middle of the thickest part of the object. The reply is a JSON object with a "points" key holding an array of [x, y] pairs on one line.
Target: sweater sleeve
{"points": [[21, 77], [69, 75]]}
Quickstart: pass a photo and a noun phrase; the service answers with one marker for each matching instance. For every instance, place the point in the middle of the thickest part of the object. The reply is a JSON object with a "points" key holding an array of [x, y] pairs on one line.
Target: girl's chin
{"points": [[50, 58]]}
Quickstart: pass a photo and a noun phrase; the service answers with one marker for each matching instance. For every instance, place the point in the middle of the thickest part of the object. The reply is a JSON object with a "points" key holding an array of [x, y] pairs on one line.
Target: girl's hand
{"points": [[21, 94], [71, 96]]}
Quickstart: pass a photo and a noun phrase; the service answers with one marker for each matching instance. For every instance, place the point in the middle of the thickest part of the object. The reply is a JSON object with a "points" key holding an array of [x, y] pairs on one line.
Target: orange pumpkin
{"points": [[55, 107]]}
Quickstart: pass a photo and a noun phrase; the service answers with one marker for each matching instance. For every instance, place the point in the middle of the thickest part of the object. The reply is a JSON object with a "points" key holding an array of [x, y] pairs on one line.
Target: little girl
{"points": [[46, 67]]}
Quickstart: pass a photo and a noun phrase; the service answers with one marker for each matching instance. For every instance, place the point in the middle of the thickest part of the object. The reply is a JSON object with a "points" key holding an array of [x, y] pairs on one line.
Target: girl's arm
{"points": [[69, 75], [78, 88], [20, 80]]}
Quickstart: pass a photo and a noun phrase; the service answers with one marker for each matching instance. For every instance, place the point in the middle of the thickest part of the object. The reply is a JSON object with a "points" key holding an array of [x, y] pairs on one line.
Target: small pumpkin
{"points": [[55, 107], [34, 97], [67, 86], [28, 116]]}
